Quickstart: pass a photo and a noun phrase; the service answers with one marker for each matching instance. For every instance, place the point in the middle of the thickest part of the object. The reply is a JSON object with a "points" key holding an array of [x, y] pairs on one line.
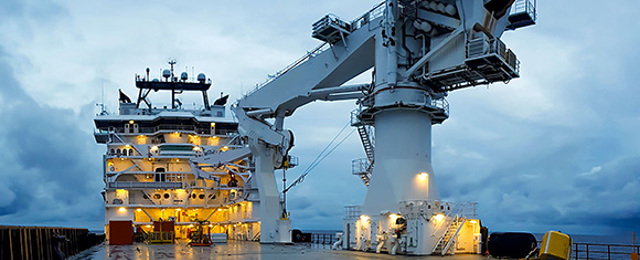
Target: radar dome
{"points": [[202, 77], [184, 76], [155, 80], [166, 73]]}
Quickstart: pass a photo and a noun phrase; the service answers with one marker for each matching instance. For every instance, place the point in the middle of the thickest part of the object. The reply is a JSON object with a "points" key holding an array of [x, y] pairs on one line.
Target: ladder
{"points": [[367, 143], [448, 238]]}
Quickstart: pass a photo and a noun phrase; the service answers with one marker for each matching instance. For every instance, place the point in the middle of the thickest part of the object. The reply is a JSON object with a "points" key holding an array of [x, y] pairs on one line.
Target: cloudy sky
{"points": [[557, 149]]}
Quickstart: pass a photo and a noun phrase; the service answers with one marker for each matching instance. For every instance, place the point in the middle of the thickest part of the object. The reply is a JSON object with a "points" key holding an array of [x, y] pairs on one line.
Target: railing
{"points": [[289, 67], [524, 6], [441, 103], [324, 238], [18, 242], [594, 251], [139, 184], [353, 212], [359, 166], [374, 13]]}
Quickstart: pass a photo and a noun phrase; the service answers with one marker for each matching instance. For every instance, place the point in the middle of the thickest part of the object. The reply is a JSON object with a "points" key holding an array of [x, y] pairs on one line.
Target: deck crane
{"points": [[419, 51]]}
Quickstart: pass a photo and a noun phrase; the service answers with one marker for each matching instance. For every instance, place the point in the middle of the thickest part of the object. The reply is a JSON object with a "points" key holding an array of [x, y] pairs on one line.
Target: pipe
{"points": [[337, 244], [381, 240], [426, 57], [339, 89], [260, 112]]}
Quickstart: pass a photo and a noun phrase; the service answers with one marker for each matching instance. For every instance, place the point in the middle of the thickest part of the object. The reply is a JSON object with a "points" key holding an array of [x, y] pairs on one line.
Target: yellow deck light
{"points": [[423, 176], [122, 209], [131, 122], [138, 210], [364, 218], [438, 217]]}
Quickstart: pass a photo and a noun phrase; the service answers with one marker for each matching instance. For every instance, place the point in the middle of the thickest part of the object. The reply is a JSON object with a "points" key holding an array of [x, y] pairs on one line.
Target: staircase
{"points": [[445, 244], [366, 141], [364, 168]]}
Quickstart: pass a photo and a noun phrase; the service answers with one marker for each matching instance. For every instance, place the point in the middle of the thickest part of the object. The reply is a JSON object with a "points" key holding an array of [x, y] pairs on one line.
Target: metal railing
{"points": [[359, 166], [369, 16], [441, 103], [324, 238], [595, 251], [524, 6], [372, 14], [353, 212], [289, 67]]}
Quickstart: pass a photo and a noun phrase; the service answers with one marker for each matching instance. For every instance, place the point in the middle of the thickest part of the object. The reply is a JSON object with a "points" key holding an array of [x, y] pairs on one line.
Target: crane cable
{"points": [[321, 156]]}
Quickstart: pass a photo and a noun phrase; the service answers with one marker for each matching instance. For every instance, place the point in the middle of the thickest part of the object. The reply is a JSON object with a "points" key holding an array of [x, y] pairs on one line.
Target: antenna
{"points": [[103, 110]]}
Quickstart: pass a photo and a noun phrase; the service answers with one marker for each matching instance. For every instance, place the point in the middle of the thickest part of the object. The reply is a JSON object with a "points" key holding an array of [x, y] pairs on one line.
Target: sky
{"points": [[556, 149]]}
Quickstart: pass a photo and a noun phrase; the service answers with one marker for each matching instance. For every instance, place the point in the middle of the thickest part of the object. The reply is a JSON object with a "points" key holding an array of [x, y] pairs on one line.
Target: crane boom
{"points": [[420, 50]]}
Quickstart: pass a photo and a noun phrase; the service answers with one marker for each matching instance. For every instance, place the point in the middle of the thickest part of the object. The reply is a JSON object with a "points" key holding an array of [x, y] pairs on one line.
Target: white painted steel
{"points": [[402, 151], [400, 107]]}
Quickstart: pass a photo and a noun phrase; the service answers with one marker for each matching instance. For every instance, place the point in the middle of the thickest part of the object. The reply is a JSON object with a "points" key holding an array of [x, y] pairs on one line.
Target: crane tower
{"points": [[419, 50]]}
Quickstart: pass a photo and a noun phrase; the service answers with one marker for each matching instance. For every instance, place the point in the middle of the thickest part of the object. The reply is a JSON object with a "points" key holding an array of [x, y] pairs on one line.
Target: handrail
{"points": [[524, 6], [597, 251], [374, 13], [446, 248], [289, 67], [370, 15]]}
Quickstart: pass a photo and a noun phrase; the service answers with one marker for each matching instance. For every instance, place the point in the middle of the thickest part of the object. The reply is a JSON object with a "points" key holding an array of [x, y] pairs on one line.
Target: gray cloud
{"points": [[50, 172], [556, 149]]}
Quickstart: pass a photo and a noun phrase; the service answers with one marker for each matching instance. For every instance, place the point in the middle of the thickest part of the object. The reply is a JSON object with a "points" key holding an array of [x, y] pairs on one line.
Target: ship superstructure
{"points": [[149, 170], [192, 166]]}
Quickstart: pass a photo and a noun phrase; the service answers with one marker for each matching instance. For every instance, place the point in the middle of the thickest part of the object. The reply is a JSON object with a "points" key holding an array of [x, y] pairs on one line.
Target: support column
{"points": [[402, 152], [272, 228]]}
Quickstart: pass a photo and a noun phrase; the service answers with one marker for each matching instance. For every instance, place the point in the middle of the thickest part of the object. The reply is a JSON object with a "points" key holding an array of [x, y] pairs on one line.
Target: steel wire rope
{"points": [[321, 156]]}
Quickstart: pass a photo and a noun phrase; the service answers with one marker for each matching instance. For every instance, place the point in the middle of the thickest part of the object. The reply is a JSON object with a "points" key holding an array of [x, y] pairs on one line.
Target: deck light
{"points": [[423, 176], [438, 217], [131, 122], [138, 210], [364, 218], [213, 124], [122, 209]]}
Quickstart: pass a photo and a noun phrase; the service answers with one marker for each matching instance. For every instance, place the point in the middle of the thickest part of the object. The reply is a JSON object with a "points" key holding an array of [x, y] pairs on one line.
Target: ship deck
{"points": [[239, 250]]}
